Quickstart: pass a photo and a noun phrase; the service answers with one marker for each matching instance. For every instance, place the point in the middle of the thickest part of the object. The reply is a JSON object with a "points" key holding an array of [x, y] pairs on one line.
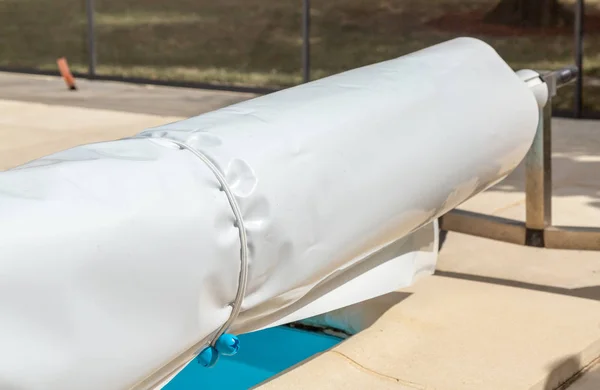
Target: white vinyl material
{"points": [[119, 260]]}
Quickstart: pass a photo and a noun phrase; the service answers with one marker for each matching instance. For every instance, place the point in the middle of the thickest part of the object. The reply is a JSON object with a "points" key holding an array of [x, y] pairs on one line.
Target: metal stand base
{"points": [[515, 232], [537, 230]]}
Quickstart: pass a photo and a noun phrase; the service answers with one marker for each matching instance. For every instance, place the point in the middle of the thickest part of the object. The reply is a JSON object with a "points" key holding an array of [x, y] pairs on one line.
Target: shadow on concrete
{"points": [[375, 308], [350, 320], [442, 238], [563, 373], [592, 292], [358, 317]]}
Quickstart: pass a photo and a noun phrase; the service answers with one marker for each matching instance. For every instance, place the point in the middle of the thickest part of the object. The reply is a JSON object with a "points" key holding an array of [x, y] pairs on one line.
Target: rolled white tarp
{"points": [[120, 260]]}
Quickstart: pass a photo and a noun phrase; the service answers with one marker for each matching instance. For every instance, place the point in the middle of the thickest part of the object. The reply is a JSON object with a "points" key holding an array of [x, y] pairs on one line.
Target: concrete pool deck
{"points": [[497, 315]]}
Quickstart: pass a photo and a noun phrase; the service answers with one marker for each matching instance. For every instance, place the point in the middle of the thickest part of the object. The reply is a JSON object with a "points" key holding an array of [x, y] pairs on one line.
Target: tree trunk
{"points": [[530, 13]]}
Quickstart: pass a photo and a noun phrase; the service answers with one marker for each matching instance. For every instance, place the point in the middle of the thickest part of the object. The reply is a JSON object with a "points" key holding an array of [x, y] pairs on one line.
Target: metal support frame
{"points": [[538, 186], [537, 230]]}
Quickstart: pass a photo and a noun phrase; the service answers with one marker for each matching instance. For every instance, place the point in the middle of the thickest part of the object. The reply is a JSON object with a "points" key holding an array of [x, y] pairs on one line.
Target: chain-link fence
{"points": [[265, 45]]}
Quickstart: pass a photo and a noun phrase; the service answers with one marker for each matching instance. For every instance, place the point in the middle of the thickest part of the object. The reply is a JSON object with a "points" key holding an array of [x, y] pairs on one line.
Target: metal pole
{"points": [[306, 40], [89, 6], [538, 180], [579, 15]]}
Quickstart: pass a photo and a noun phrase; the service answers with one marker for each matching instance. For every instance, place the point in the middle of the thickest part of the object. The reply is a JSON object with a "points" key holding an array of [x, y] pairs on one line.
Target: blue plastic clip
{"points": [[227, 345], [208, 357]]}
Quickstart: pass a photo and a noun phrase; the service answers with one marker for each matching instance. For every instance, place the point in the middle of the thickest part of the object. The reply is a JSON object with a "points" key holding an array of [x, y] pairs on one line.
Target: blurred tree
{"points": [[530, 13]]}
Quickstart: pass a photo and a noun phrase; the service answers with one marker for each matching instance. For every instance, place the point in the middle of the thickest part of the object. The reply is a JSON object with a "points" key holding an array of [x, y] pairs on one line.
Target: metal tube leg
{"points": [[538, 185]]}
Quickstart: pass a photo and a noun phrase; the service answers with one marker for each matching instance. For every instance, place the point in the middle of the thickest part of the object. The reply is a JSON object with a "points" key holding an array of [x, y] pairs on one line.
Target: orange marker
{"points": [[63, 68]]}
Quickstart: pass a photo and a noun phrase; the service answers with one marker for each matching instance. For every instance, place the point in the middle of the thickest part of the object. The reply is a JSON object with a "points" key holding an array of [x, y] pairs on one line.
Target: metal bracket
{"points": [[559, 78], [537, 230]]}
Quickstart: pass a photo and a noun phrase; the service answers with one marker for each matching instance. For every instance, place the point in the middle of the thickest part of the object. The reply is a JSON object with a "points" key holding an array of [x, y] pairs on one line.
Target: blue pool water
{"points": [[262, 355]]}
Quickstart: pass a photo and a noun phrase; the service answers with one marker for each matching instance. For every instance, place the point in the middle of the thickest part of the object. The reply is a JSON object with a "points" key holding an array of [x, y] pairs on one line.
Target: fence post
{"points": [[89, 8], [579, 16], [306, 41]]}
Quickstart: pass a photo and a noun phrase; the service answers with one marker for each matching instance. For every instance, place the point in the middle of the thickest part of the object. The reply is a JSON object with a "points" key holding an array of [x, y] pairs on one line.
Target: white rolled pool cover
{"points": [[119, 260]]}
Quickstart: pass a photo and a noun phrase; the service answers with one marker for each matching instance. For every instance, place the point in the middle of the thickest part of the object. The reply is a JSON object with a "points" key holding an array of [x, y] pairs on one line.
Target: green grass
{"points": [[143, 18], [253, 42]]}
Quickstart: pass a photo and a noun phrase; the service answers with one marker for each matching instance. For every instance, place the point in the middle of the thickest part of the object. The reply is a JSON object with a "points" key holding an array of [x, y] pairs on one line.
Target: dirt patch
{"points": [[472, 23]]}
